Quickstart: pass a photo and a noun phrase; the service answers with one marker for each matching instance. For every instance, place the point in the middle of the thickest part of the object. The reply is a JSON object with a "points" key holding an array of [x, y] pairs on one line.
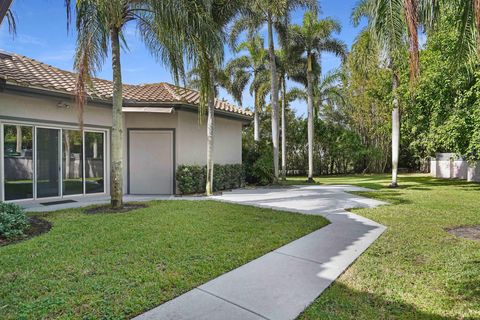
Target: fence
{"points": [[450, 166]]}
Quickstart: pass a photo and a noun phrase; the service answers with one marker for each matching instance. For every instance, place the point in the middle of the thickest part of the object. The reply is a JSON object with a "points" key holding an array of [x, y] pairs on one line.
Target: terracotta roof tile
{"points": [[27, 72]]}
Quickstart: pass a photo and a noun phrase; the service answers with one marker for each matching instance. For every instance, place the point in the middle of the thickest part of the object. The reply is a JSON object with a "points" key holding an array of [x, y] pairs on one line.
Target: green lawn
{"points": [[415, 270], [114, 266]]}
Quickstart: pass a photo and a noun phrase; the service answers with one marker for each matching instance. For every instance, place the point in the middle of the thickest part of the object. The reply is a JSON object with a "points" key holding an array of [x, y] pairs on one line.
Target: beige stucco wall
{"points": [[46, 109], [192, 140], [15, 108], [190, 136]]}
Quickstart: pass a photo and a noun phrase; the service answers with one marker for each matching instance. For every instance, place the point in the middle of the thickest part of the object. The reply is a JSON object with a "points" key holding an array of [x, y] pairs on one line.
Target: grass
{"points": [[415, 270], [115, 266]]}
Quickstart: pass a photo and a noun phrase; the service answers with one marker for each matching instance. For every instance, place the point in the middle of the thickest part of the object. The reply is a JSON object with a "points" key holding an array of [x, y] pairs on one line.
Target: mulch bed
{"points": [[107, 209], [38, 226], [466, 232]]}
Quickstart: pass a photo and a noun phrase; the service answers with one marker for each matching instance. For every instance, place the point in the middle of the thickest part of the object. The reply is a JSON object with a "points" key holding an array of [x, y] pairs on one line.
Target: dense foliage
{"points": [[13, 221], [337, 149], [442, 112], [440, 109], [191, 178]]}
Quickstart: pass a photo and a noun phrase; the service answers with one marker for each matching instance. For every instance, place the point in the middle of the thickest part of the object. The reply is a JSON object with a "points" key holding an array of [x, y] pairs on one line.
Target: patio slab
{"points": [[282, 283], [85, 201]]}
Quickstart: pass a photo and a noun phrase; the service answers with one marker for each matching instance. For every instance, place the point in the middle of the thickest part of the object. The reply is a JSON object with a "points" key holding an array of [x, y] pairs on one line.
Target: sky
{"points": [[42, 35]]}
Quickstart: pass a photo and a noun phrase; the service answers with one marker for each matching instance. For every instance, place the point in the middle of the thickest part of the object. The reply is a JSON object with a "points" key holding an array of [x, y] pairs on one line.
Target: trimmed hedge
{"points": [[192, 178], [13, 221]]}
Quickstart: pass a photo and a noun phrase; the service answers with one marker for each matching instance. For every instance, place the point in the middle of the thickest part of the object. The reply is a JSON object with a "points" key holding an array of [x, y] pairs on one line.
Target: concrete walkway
{"points": [[282, 283]]}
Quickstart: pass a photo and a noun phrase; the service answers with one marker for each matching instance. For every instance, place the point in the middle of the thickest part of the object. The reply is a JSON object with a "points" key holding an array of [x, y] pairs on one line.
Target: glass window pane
{"points": [[18, 162], [94, 162], [72, 162], [48, 163]]}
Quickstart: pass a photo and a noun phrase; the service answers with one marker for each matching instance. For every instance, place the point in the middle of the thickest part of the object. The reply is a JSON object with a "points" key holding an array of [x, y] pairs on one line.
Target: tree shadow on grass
{"points": [[391, 196], [342, 302]]}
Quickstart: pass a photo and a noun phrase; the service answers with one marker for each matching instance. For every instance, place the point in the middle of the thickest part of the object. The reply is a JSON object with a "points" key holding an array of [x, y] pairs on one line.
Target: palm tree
{"points": [[387, 22], [387, 25], [467, 13], [5, 12], [270, 12], [310, 40], [207, 39], [100, 25], [221, 80], [285, 64], [243, 69]]}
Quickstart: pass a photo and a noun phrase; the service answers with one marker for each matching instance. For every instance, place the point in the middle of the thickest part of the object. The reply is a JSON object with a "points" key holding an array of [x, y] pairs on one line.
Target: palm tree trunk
{"points": [[395, 131], [210, 132], [412, 25], [273, 97], [116, 188], [284, 132], [477, 23], [256, 120], [310, 117]]}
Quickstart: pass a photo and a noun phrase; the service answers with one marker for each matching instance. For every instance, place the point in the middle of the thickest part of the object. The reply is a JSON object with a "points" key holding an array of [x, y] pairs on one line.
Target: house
{"points": [[44, 154]]}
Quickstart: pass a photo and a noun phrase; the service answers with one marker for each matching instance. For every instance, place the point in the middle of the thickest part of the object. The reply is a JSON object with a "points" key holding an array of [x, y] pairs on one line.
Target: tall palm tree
{"points": [[207, 39], [248, 67], [100, 25], [285, 65], [271, 13], [391, 22], [387, 25], [310, 40]]}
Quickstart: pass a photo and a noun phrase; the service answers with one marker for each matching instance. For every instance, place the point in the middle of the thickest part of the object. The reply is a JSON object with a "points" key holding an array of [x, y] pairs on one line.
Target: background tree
{"points": [[386, 24], [310, 40], [271, 13], [247, 68]]}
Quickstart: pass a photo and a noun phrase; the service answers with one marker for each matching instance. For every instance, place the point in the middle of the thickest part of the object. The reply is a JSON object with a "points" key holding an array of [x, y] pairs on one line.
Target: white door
{"points": [[151, 162]]}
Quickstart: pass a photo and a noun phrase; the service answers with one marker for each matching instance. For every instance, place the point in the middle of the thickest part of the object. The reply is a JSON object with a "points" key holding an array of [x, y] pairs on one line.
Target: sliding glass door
{"points": [[48, 162], [44, 162]]}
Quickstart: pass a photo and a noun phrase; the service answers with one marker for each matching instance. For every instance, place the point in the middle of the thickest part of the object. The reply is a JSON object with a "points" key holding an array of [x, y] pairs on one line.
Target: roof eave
{"points": [[30, 90]]}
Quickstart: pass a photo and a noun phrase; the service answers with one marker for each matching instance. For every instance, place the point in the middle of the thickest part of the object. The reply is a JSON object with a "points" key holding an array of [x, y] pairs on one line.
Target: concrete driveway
{"points": [[282, 283]]}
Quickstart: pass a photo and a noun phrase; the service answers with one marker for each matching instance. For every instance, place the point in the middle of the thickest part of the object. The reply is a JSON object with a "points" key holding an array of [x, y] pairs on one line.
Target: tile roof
{"points": [[26, 72]]}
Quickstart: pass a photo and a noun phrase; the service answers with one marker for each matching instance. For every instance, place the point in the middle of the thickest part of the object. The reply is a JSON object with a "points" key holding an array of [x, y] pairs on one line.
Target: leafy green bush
{"points": [[258, 162], [13, 221], [192, 178]]}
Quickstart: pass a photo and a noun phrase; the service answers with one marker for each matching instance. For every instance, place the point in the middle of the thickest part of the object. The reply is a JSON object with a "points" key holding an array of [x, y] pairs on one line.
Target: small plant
{"points": [[13, 221]]}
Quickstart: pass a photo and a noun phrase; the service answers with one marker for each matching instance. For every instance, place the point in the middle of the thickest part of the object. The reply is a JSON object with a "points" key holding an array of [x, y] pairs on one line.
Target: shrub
{"points": [[258, 162], [13, 221], [192, 178]]}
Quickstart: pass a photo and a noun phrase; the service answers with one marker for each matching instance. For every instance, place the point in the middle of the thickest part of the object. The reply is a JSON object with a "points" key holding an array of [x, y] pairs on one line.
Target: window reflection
{"points": [[18, 162], [94, 165], [72, 162]]}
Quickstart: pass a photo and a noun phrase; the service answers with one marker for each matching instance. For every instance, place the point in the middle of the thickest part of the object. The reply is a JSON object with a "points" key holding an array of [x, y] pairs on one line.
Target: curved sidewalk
{"points": [[282, 283]]}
